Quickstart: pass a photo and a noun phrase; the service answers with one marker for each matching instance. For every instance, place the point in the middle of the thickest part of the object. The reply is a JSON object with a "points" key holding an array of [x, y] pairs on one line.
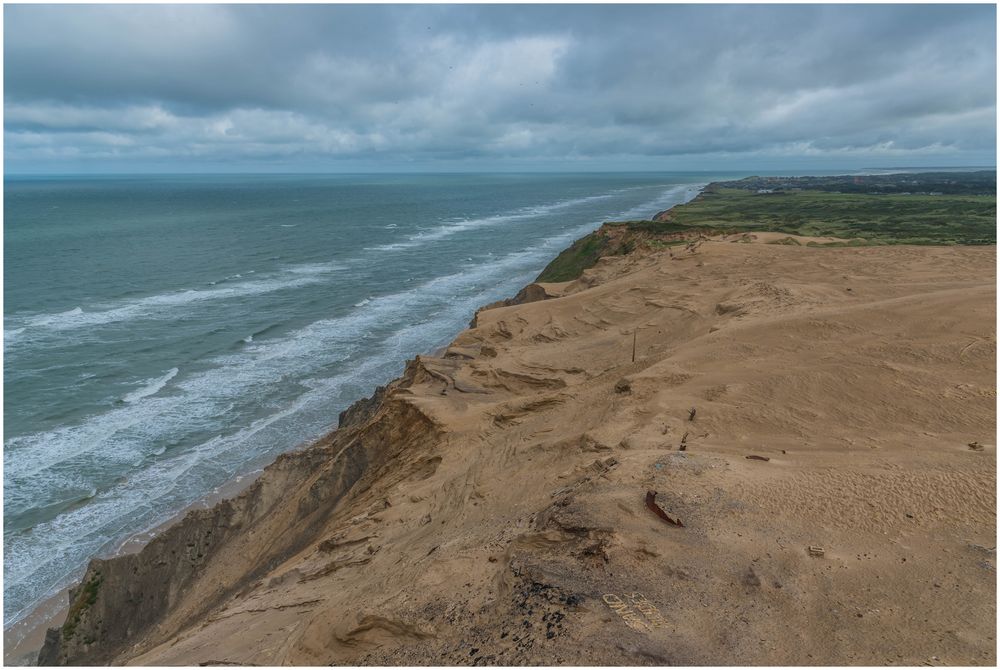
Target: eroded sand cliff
{"points": [[489, 506]]}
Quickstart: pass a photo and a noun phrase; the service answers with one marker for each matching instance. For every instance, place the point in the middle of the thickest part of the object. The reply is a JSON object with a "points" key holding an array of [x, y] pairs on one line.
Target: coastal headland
{"points": [[735, 434]]}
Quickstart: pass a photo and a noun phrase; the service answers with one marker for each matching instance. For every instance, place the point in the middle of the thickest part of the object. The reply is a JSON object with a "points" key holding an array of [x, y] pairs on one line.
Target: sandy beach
{"points": [[797, 468]]}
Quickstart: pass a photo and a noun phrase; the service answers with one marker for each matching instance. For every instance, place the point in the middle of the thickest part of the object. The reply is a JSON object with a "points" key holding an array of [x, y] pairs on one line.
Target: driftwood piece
{"points": [[658, 511], [754, 457]]}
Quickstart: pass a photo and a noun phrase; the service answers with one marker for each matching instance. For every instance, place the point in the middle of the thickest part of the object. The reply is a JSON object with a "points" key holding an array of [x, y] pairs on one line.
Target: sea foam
{"points": [[151, 386], [317, 368]]}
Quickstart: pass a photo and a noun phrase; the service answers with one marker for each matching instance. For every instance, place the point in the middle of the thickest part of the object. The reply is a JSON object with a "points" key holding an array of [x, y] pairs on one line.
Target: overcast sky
{"points": [[332, 88]]}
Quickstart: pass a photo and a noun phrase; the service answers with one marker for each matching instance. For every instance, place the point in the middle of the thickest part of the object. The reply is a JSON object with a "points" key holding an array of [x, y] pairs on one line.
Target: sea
{"points": [[165, 335]]}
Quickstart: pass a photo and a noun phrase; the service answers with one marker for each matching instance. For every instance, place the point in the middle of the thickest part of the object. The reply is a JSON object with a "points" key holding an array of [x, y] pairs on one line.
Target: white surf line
{"points": [[441, 288], [160, 306], [448, 229], [524, 263], [151, 387], [341, 332]]}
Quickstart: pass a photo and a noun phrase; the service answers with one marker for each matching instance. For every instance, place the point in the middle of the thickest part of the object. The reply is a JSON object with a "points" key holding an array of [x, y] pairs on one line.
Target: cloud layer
{"points": [[314, 87]]}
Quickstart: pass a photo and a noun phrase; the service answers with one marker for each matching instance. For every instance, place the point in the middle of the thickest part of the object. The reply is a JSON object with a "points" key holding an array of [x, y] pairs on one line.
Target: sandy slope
{"points": [[517, 533]]}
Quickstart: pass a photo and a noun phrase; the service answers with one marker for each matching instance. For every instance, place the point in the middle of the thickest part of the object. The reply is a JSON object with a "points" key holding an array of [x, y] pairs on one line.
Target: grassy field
{"points": [[977, 182], [877, 219], [861, 219]]}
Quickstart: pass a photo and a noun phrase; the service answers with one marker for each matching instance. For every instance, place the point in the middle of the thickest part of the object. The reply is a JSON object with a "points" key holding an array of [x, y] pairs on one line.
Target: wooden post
{"points": [[634, 333]]}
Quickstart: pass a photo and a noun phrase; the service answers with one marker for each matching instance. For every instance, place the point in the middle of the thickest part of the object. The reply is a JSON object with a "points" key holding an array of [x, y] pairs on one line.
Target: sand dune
{"points": [[496, 512]]}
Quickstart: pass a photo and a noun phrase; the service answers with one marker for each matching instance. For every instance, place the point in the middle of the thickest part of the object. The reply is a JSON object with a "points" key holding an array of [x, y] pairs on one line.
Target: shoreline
{"points": [[23, 640], [439, 504]]}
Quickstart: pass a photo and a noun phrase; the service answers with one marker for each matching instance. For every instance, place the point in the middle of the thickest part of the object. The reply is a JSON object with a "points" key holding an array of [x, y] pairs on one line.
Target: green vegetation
{"points": [[584, 253], [581, 255], [85, 599], [651, 227], [929, 208], [878, 219], [663, 244], [979, 182]]}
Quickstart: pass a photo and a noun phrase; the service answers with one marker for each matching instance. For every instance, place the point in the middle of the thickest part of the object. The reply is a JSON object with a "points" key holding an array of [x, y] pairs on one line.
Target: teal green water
{"points": [[165, 335]]}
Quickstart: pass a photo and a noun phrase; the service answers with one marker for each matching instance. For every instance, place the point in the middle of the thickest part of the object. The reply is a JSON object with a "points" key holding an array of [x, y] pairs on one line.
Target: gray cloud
{"points": [[671, 86]]}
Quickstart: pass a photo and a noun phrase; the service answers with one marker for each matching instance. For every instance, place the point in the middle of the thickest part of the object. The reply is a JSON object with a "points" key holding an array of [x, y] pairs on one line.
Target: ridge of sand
{"points": [[489, 506]]}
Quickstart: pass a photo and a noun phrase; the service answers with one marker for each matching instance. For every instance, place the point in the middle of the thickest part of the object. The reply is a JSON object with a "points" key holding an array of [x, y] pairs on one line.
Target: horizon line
{"points": [[7, 175]]}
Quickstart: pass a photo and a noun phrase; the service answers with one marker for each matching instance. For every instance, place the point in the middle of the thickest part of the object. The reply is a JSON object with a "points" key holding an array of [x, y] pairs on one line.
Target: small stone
{"points": [[623, 386]]}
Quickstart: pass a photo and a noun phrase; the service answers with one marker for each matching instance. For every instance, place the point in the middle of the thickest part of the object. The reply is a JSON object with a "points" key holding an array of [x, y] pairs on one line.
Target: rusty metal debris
{"points": [[658, 511], [754, 457]]}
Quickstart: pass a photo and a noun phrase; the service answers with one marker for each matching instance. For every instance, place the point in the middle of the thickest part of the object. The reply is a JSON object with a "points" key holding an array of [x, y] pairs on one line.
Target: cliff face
{"points": [[212, 554], [805, 413]]}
